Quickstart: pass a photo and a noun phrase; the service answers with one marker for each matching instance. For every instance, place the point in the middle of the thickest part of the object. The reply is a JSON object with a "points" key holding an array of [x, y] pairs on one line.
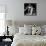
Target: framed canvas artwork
{"points": [[30, 9]]}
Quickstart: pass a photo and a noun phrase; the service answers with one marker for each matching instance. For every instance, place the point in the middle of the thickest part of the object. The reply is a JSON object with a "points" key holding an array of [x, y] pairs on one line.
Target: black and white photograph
{"points": [[30, 9]]}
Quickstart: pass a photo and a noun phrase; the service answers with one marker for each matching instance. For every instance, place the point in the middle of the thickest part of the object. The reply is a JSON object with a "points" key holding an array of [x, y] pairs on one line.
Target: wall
{"points": [[15, 9]]}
